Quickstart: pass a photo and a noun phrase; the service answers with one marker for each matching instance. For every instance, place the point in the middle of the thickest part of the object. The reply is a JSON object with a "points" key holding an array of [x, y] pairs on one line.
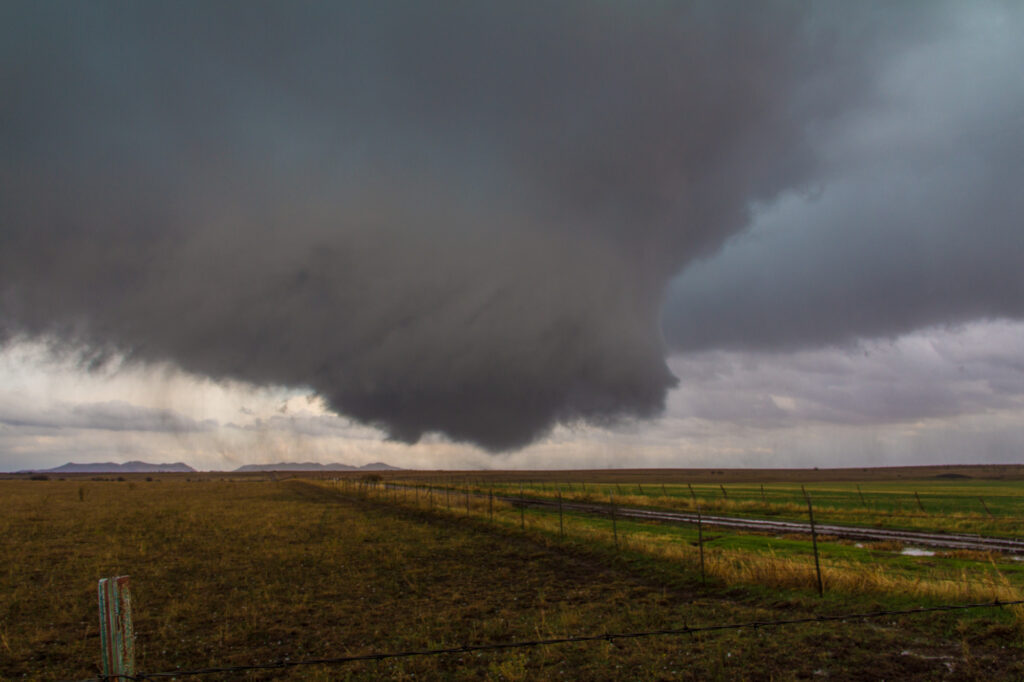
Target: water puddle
{"points": [[916, 551]]}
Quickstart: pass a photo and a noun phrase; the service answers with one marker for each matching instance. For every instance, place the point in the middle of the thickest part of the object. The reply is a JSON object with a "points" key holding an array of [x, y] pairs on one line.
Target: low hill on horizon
{"points": [[315, 466], [139, 467], [133, 467]]}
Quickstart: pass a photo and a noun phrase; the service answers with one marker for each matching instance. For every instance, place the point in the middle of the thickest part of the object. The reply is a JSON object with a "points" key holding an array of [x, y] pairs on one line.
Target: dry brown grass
{"points": [[248, 572]]}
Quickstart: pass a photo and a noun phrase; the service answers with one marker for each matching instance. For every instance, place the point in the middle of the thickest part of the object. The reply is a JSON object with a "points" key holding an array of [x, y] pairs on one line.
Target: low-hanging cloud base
{"points": [[937, 396]]}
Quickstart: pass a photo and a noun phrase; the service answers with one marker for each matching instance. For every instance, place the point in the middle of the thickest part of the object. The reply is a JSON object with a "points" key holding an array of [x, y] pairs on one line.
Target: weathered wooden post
{"points": [[117, 636], [490, 505], [814, 541], [764, 500], [724, 494], [919, 505], [861, 494]]}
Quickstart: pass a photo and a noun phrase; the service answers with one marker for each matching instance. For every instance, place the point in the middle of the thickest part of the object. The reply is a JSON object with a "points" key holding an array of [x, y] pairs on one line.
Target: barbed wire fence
{"points": [[554, 641], [118, 646], [512, 495], [591, 504]]}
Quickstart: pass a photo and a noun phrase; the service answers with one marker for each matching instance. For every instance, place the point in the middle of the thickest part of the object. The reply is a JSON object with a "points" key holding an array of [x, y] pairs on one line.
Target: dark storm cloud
{"points": [[916, 219], [452, 217]]}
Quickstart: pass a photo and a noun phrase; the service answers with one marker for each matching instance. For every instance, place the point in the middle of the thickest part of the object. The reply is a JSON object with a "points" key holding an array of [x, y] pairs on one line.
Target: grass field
{"points": [[234, 571], [737, 557], [987, 507]]}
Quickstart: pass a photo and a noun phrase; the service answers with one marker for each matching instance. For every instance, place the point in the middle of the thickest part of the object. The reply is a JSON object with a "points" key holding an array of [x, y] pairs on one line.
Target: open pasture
{"points": [[954, 499], [985, 472], [238, 571], [755, 559]]}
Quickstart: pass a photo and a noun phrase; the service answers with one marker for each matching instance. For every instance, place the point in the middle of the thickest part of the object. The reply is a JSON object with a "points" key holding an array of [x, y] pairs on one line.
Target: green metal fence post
{"points": [[117, 636]]}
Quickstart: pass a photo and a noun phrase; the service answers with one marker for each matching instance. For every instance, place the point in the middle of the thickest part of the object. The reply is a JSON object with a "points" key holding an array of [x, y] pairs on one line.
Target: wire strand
{"points": [[607, 637]]}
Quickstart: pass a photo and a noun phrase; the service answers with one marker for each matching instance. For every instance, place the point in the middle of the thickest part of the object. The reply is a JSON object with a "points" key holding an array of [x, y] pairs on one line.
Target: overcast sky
{"points": [[459, 235]]}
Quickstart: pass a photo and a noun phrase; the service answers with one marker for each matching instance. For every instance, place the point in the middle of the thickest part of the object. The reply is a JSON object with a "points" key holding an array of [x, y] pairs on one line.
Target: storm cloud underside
{"points": [[456, 219]]}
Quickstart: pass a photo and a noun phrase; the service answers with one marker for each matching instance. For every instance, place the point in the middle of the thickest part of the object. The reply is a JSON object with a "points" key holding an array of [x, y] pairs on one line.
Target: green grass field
{"points": [[739, 557], [245, 571], [976, 506]]}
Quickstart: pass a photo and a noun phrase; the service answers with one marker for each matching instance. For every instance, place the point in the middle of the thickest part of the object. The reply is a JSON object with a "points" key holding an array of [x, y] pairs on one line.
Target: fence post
{"points": [[522, 509], [987, 510], [764, 500], [920, 506], [561, 526], [861, 494], [467, 499], [724, 494], [490, 505], [814, 542], [700, 535], [117, 636], [615, 528]]}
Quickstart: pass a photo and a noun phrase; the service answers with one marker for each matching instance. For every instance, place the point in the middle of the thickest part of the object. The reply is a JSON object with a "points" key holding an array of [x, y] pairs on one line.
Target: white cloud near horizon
{"points": [[940, 395]]}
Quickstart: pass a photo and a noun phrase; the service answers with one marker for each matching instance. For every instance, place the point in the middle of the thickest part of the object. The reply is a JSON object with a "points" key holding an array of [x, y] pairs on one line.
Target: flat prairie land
{"points": [[1013, 472], [238, 571], [968, 506]]}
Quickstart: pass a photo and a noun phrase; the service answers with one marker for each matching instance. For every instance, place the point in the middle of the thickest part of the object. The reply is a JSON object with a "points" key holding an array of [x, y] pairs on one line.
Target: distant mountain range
{"points": [[180, 467], [115, 468], [316, 466]]}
